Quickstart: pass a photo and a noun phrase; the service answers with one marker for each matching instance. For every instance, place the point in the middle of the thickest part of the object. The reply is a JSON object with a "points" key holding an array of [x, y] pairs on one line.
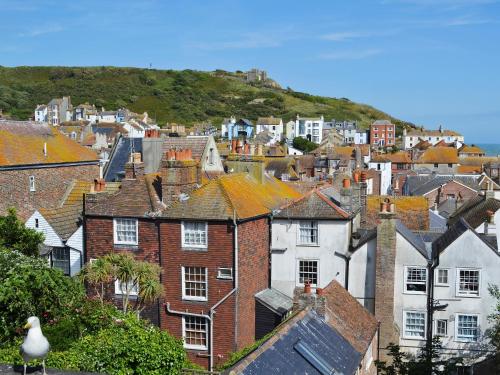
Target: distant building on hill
{"points": [[256, 75], [412, 137], [382, 133]]}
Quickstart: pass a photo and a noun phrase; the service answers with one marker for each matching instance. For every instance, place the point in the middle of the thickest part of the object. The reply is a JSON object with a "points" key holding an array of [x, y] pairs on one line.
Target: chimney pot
{"points": [[383, 207], [346, 183], [356, 177], [307, 287], [363, 176]]}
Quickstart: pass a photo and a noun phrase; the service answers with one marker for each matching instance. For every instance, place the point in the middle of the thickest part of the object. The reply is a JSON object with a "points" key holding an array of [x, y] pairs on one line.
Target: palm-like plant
{"points": [[98, 273]]}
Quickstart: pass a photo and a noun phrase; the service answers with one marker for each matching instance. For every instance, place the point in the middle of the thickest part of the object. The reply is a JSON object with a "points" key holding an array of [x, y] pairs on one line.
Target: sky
{"points": [[430, 62]]}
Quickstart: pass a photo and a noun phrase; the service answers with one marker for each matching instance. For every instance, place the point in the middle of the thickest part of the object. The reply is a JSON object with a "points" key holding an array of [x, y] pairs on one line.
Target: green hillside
{"points": [[171, 96]]}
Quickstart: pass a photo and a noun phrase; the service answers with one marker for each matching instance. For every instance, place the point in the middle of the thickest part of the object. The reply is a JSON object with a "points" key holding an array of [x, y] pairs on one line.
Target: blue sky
{"points": [[430, 62]]}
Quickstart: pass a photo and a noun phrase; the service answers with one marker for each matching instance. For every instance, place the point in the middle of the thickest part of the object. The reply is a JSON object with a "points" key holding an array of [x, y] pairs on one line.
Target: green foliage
{"points": [[175, 96], [428, 361], [28, 286], [303, 144], [15, 236], [127, 346], [494, 318]]}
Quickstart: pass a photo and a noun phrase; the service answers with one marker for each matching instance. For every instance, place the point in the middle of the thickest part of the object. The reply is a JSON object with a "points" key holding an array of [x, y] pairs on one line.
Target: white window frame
{"points": [[406, 291], [115, 234], [457, 339], [190, 346], [457, 283], [118, 289], [32, 183], [404, 325], [193, 298], [298, 272], [436, 328], [196, 246], [299, 239], [436, 281], [221, 276]]}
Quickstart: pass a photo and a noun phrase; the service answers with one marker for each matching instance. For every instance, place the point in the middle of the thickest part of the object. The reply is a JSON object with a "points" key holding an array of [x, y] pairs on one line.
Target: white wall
{"points": [[385, 176], [333, 237], [51, 237], [362, 274]]}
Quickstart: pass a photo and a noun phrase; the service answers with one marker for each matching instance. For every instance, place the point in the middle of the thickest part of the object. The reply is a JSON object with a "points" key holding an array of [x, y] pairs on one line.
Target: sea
{"points": [[491, 149]]}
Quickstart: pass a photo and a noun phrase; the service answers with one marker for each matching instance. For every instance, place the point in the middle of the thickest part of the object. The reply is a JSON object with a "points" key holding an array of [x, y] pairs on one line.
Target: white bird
{"points": [[35, 345]]}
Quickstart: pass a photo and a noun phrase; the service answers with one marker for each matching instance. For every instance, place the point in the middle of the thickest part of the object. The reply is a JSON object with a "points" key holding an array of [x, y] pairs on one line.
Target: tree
{"points": [[303, 144], [15, 236], [134, 275], [494, 318]]}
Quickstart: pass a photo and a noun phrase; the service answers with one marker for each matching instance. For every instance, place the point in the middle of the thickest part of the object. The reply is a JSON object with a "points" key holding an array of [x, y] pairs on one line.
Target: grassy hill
{"points": [[184, 97]]}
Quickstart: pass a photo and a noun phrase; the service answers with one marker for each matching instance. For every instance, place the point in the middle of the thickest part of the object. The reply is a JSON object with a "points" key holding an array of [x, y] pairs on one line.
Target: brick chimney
{"points": [[98, 186], [180, 174], [385, 264], [304, 297], [135, 167], [346, 194]]}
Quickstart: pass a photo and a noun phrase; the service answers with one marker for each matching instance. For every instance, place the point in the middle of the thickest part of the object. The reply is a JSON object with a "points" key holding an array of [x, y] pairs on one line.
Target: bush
{"points": [[303, 144], [15, 236]]}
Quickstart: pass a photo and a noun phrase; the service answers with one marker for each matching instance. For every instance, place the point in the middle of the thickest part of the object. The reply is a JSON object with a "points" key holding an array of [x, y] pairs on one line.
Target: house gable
{"points": [[51, 237]]}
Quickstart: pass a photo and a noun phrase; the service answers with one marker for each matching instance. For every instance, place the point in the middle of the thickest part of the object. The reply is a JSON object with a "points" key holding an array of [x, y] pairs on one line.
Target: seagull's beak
{"points": [[27, 326]]}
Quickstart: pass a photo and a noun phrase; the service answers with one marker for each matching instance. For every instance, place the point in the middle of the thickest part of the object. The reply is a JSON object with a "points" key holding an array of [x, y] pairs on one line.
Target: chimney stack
{"points": [[303, 298], [98, 186], [135, 167]]}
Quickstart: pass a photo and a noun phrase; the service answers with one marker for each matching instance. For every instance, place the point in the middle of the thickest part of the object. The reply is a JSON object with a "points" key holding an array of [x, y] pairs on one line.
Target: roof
{"points": [[279, 166], [382, 122], [448, 237], [269, 120], [469, 169], [414, 240], [431, 133], [423, 184], [305, 344], [474, 211], [439, 155], [196, 144], [412, 211], [237, 194], [66, 218], [22, 143], [275, 300], [349, 317], [397, 157], [313, 205], [470, 150], [120, 155]]}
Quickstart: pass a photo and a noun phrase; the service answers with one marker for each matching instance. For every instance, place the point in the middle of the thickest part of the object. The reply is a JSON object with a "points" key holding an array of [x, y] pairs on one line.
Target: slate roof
{"points": [[66, 218], [423, 184], [284, 352], [196, 144], [237, 193], [269, 120], [120, 154], [22, 143], [382, 122], [273, 299], [474, 211], [439, 155], [313, 205], [414, 240]]}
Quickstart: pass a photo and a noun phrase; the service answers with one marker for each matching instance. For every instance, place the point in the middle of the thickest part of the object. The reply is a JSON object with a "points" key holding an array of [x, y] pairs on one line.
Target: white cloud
{"points": [[246, 41], [350, 54], [345, 35], [42, 30]]}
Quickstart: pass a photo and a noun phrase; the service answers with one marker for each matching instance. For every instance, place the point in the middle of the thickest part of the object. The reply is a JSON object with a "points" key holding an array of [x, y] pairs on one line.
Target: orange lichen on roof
{"points": [[471, 150], [471, 169], [344, 150], [23, 143], [439, 155], [403, 203], [397, 157]]}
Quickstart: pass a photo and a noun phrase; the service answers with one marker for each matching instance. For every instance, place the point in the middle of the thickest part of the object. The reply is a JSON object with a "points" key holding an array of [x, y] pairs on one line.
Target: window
{"points": [[415, 280], [194, 234], [414, 324], [442, 327], [308, 271], [194, 332], [436, 165], [194, 283], [467, 328], [211, 157], [125, 231], [37, 224], [450, 165], [467, 282], [32, 183], [225, 273], [60, 259], [442, 277], [308, 233], [122, 288]]}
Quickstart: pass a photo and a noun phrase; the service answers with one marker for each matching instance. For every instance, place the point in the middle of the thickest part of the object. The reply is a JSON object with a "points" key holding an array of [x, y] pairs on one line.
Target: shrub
{"points": [[15, 236], [303, 144]]}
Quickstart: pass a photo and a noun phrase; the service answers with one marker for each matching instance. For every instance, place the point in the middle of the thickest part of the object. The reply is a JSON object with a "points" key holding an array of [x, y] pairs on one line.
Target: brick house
{"points": [[212, 242], [382, 133], [38, 164]]}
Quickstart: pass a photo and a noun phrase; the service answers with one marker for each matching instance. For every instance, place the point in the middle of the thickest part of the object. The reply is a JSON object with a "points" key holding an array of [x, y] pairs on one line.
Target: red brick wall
{"points": [[450, 188], [218, 254], [50, 185], [253, 239], [383, 133]]}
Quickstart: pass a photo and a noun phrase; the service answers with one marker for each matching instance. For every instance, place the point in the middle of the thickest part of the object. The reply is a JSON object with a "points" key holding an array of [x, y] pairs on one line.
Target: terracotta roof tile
{"points": [[397, 157], [439, 155]]}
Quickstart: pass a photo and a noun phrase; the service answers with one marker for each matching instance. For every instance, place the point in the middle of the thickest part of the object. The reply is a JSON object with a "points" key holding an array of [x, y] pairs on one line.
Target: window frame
{"points": [[183, 235], [299, 239], [405, 281], [457, 315], [134, 292], [115, 234], [298, 283], [436, 280], [191, 346], [405, 312], [60, 262], [32, 184], [457, 283], [183, 285], [225, 277], [436, 328]]}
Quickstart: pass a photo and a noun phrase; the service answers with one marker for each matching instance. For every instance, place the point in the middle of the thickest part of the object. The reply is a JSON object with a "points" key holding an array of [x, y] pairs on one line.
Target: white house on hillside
{"points": [[273, 126], [414, 136], [308, 128]]}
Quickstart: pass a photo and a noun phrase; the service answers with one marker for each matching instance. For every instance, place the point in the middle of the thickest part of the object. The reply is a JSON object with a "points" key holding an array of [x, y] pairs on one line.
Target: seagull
{"points": [[35, 345]]}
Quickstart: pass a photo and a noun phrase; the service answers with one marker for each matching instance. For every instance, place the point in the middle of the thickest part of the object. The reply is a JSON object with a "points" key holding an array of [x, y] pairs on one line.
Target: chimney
{"points": [[259, 150], [98, 186], [490, 193], [346, 195], [180, 174], [252, 149], [304, 297], [135, 167], [234, 145], [385, 264]]}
